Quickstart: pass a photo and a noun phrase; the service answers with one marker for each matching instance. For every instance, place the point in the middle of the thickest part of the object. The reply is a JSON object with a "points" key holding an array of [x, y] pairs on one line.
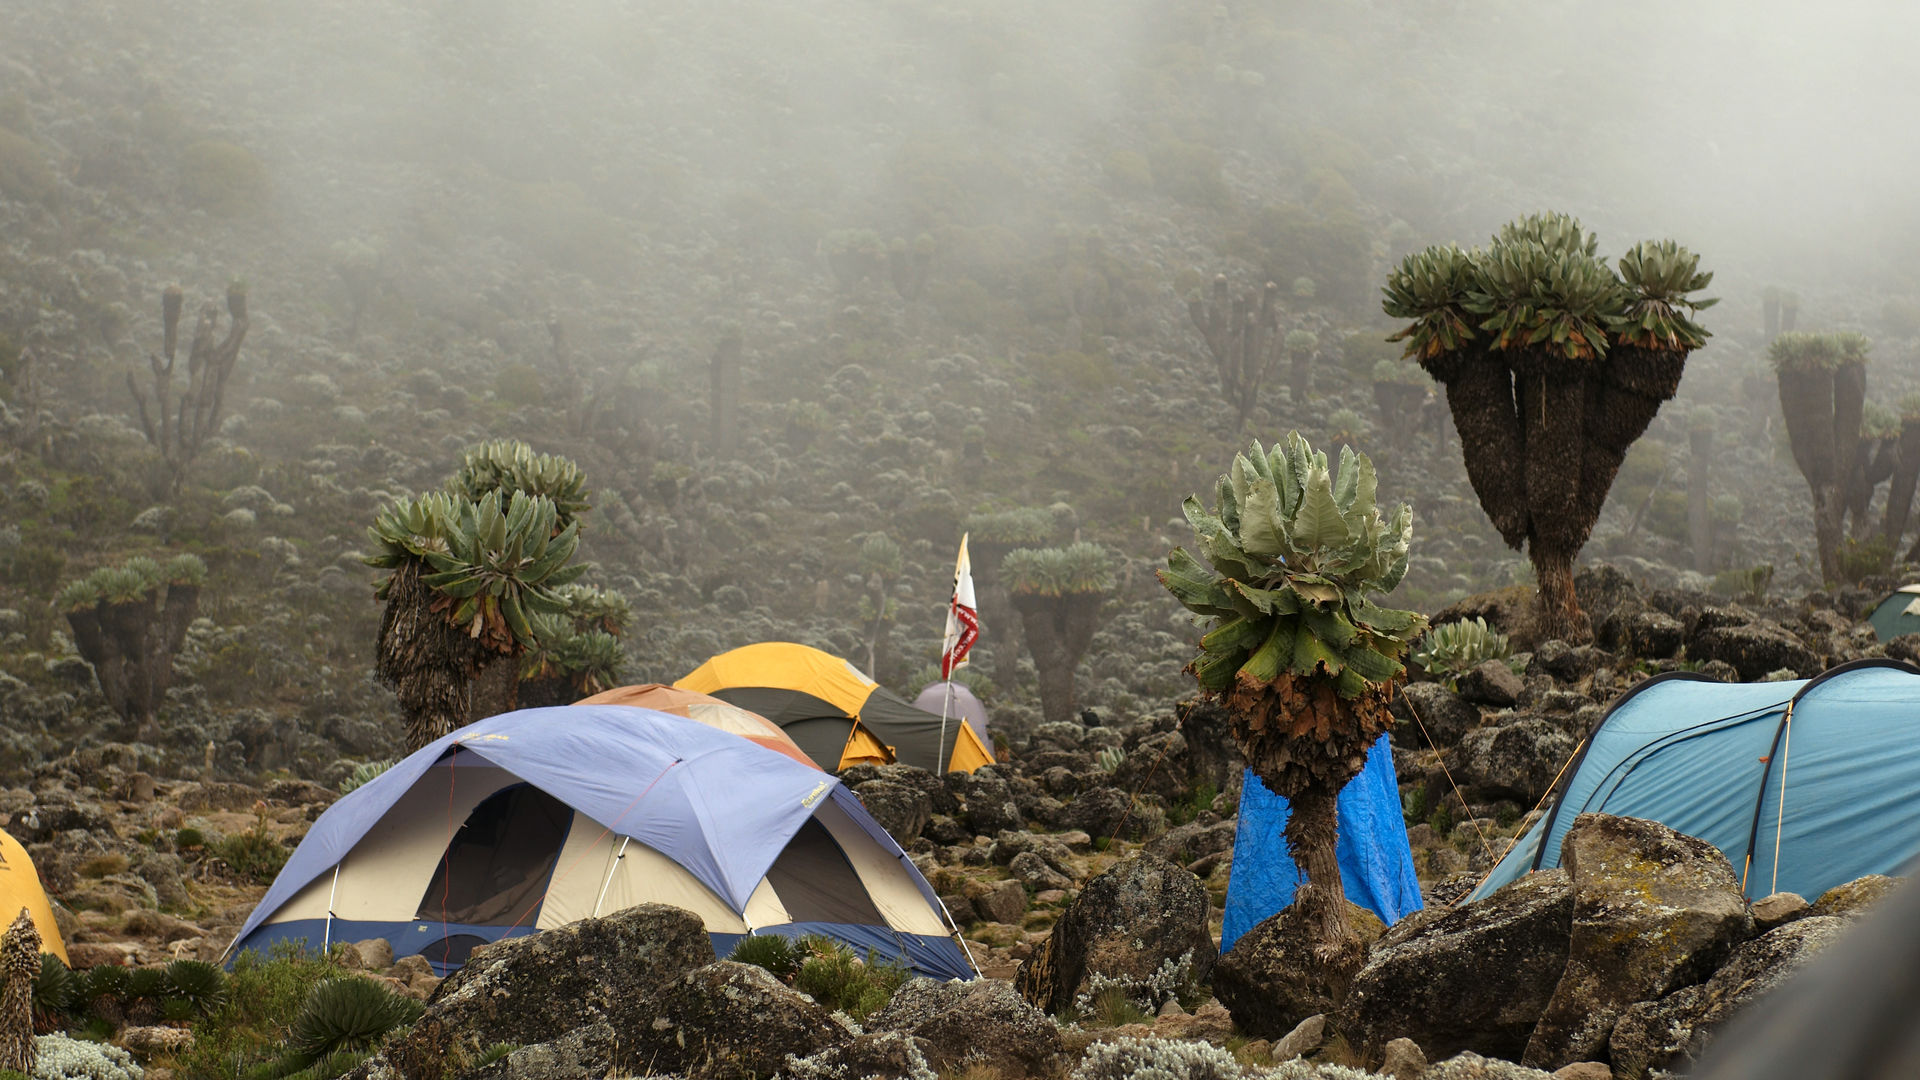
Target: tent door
{"points": [[496, 867]]}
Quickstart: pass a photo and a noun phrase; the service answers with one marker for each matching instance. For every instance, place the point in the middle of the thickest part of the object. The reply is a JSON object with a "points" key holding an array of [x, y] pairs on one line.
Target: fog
{"points": [[1772, 136]]}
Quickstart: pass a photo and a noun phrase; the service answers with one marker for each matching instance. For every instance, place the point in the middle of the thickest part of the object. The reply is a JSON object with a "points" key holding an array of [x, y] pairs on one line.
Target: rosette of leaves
{"points": [[128, 621], [56, 992], [348, 1013], [1452, 649], [198, 983], [508, 465], [1298, 655], [363, 774], [566, 664], [1554, 362], [1058, 593], [467, 581]]}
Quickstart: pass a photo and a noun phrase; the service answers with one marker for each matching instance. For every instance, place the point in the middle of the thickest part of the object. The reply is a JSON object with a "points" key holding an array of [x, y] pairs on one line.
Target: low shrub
{"points": [[833, 976]]}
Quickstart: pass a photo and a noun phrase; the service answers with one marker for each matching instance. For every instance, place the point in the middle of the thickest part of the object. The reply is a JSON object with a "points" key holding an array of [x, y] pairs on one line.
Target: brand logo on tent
{"points": [[485, 738], [814, 795]]}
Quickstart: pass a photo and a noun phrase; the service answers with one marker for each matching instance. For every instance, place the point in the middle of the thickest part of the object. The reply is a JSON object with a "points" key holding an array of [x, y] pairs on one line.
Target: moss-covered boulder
{"points": [[1653, 910]]}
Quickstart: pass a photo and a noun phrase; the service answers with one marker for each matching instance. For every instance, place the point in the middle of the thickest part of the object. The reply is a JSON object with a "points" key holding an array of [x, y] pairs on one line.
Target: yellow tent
{"points": [[838, 715], [20, 888]]}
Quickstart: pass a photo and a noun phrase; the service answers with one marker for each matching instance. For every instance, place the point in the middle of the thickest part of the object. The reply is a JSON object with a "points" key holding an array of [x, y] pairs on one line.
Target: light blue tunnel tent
{"points": [[1714, 760], [1376, 865]]}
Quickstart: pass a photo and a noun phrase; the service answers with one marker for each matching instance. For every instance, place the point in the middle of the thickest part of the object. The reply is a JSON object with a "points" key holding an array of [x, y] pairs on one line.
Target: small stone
{"points": [[375, 953], [1492, 683], [1050, 896], [1854, 897], [1583, 1070], [1403, 1060], [153, 1041], [1777, 909], [1306, 1037]]}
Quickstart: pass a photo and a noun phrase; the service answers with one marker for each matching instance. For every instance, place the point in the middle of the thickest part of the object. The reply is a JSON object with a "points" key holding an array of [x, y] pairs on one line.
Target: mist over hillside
{"points": [[955, 245]]}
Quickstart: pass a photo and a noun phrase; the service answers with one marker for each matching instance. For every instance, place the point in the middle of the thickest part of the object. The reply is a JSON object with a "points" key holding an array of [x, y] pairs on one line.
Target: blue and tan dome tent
{"points": [[1804, 785], [838, 715], [534, 819]]}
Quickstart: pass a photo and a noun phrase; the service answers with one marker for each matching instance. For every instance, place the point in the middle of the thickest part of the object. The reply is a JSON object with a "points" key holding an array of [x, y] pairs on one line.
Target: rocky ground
{"points": [[1089, 872]]}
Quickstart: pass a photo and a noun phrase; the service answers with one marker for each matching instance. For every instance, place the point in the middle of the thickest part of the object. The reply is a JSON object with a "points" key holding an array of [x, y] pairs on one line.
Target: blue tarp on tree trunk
{"points": [[1376, 865]]}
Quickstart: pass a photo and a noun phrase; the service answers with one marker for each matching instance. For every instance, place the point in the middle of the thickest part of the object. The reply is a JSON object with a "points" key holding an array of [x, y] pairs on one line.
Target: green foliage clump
{"points": [[1290, 555], [1813, 352], [223, 178], [349, 1013], [839, 980], [249, 1028], [1076, 569], [1540, 283], [1452, 649], [201, 985], [1748, 583], [56, 993], [508, 465], [1025, 525], [363, 773], [497, 567], [255, 854], [776, 954], [520, 384]]}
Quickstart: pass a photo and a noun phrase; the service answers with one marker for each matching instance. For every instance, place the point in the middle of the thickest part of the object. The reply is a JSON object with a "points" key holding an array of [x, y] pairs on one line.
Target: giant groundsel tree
{"points": [[1058, 593], [474, 585], [1553, 362], [1300, 657]]}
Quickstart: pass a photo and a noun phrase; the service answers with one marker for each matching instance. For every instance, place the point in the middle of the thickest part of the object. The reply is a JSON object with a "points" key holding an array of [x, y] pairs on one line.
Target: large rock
{"points": [[901, 810], [1270, 980], [1854, 897], [1653, 910], [1138, 924], [1432, 711], [1671, 1032], [1475, 976], [534, 989], [1517, 760], [983, 1020], [1755, 650], [729, 1020], [1101, 812], [882, 1054], [990, 807], [585, 1053]]}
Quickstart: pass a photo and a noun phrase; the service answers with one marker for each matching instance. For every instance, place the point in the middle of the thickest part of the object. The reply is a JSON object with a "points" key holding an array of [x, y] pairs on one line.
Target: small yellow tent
{"points": [[20, 888], [838, 715]]}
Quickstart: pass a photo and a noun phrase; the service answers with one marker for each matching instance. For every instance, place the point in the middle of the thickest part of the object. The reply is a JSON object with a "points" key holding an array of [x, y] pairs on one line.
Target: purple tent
{"points": [[964, 707]]}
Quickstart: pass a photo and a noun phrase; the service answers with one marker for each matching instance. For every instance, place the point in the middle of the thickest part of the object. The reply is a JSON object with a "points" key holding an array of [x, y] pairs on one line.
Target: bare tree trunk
{"points": [[1556, 610], [1906, 472], [1480, 396], [1321, 901]]}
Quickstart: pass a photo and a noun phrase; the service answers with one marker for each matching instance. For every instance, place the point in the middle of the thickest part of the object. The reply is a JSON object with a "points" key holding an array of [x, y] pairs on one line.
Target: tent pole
{"points": [[958, 936], [333, 890], [946, 709], [612, 867]]}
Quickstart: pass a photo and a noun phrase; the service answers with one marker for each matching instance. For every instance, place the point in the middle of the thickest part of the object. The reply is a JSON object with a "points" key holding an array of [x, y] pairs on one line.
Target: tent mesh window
{"points": [[816, 883], [495, 869]]}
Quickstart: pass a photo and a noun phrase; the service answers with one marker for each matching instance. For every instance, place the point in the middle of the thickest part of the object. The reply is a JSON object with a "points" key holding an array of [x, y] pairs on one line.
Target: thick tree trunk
{"points": [[1556, 610], [496, 689], [1321, 900], [1811, 403], [999, 623], [429, 665], [1480, 396], [1906, 471], [1058, 629], [1553, 417]]}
